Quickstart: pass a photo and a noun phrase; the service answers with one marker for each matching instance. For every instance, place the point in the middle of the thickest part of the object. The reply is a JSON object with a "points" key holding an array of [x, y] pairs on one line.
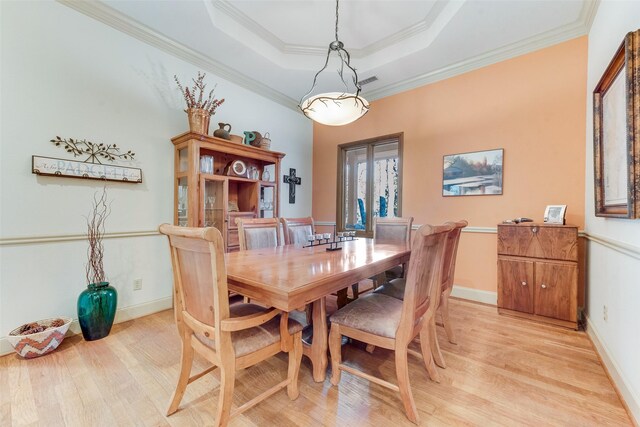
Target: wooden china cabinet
{"points": [[217, 181], [538, 272]]}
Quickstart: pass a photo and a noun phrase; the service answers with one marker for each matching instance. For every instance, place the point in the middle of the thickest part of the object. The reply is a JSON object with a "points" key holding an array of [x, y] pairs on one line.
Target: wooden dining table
{"points": [[291, 276]]}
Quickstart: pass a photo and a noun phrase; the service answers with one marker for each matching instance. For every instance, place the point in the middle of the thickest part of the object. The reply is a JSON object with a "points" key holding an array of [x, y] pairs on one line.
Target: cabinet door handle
{"points": [[524, 283], [544, 286]]}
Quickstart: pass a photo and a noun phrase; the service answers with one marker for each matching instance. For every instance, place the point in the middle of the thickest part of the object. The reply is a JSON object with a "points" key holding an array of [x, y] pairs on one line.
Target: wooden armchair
{"points": [[296, 230], [391, 323], [230, 338], [258, 233], [396, 289]]}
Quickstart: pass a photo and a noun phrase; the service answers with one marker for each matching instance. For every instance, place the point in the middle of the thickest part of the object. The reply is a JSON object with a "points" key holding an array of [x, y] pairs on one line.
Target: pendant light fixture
{"points": [[335, 108]]}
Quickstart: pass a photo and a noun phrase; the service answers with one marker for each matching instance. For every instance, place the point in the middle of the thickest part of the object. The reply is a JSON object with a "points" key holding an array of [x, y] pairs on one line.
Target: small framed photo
{"points": [[554, 214]]}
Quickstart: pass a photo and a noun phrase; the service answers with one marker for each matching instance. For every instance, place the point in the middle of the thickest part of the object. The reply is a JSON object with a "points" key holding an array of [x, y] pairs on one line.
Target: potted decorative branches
{"points": [[199, 110], [97, 304]]}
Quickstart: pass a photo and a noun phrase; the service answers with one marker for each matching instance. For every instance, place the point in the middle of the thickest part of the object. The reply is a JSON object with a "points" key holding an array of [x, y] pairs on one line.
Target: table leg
{"points": [[317, 351]]}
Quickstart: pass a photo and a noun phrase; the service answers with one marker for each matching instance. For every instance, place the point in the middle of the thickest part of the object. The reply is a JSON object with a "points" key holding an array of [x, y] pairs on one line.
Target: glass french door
{"points": [[369, 184]]}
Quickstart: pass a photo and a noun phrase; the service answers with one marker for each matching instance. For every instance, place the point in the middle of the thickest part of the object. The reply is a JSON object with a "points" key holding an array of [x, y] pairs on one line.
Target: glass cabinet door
{"points": [[183, 202], [212, 202]]}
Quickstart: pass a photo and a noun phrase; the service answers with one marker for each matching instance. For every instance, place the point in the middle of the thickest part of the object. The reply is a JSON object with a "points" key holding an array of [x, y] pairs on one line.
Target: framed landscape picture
{"points": [[473, 174], [616, 133]]}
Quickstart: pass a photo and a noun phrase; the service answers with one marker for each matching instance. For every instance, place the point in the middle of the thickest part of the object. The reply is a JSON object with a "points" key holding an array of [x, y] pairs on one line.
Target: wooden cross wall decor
{"points": [[292, 180]]}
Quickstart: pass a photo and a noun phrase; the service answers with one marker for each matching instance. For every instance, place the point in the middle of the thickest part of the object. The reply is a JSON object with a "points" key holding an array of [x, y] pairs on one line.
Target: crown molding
{"points": [[578, 28], [121, 22], [256, 28]]}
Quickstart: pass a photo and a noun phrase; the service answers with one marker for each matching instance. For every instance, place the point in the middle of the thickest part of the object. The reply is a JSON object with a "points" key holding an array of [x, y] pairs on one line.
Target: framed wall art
{"points": [[616, 133], [473, 174]]}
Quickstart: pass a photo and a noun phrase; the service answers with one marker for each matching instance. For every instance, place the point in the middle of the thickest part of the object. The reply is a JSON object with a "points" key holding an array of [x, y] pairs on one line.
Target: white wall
{"points": [[66, 74], [613, 275]]}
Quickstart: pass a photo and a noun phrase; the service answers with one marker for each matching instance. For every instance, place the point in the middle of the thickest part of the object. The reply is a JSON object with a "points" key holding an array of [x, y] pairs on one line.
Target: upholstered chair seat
{"points": [[393, 288], [374, 313], [247, 341]]}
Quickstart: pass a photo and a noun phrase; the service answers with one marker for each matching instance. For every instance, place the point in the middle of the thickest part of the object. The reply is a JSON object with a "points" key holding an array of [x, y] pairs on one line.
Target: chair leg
{"points": [[427, 355], [402, 371], [444, 311], [186, 360], [295, 357], [227, 382], [335, 347], [435, 346]]}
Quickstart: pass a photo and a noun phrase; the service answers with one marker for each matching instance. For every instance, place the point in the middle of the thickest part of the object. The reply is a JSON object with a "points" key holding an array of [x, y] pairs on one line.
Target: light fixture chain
{"points": [[337, 1]]}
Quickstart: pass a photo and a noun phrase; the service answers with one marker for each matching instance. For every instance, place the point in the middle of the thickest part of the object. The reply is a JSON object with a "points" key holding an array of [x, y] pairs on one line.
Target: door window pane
{"points": [[355, 188], [385, 180]]}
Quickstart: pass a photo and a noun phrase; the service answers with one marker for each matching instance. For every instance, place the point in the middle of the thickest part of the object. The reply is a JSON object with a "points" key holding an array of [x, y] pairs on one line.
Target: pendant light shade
{"points": [[335, 108]]}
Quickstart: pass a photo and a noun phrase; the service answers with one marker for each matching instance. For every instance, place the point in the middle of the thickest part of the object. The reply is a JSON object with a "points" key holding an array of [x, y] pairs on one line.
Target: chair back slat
{"points": [[200, 278], [297, 230], [258, 233], [450, 254], [392, 230], [424, 274]]}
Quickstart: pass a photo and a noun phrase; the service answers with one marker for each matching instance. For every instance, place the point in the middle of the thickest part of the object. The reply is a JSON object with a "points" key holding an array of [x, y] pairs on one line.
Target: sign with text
{"points": [[70, 168]]}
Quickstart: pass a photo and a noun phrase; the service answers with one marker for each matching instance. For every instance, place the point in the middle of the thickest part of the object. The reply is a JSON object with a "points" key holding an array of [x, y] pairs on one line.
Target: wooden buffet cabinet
{"points": [[538, 272], [210, 199]]}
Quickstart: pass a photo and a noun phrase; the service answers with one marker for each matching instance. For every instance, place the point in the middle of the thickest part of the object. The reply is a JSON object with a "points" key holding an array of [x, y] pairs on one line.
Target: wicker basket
{"points": [[39, 343], [265, 142]]}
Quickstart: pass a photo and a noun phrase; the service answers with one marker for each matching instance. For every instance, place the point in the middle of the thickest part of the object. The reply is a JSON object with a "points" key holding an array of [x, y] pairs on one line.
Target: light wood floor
{"points": [[504, 371]]}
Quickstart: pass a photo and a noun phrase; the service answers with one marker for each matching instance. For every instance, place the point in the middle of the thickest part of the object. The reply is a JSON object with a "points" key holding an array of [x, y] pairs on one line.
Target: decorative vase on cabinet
{"points": [[96, 310], [198, 120]]}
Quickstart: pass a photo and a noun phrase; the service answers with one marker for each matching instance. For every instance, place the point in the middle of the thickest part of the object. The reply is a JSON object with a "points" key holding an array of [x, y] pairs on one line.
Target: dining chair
{"points": [[229, 337], [297, 230], [391, 230], [396, 288], [391, 323], [258, 233]]}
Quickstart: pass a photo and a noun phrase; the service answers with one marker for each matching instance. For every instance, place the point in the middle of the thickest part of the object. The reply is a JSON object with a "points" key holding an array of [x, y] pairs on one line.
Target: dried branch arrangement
{"points": [[95, 232], [194, 96], [80, 147]]}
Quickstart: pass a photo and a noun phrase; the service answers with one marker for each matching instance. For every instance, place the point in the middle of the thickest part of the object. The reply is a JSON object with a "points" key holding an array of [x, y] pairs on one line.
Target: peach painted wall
{"points": [[533, 106]]}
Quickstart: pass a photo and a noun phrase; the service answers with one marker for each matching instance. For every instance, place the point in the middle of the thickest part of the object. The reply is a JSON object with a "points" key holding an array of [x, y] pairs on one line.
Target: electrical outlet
{"points": [[137, 284], [605, 314]]}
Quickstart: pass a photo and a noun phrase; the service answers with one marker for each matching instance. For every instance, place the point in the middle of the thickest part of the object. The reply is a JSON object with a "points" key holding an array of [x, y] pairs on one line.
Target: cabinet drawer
{"points": [[515, 285], [232, 238], [538, 241], [556, 290]]}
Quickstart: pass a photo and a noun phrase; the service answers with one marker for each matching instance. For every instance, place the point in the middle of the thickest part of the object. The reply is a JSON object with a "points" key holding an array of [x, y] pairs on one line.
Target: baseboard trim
{"points": [[478, 295], [122, 315], [629, 399]]}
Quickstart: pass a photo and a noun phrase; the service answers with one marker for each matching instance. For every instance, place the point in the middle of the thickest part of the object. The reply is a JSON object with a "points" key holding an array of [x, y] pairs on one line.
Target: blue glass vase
{"points": [[96, 310]]}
